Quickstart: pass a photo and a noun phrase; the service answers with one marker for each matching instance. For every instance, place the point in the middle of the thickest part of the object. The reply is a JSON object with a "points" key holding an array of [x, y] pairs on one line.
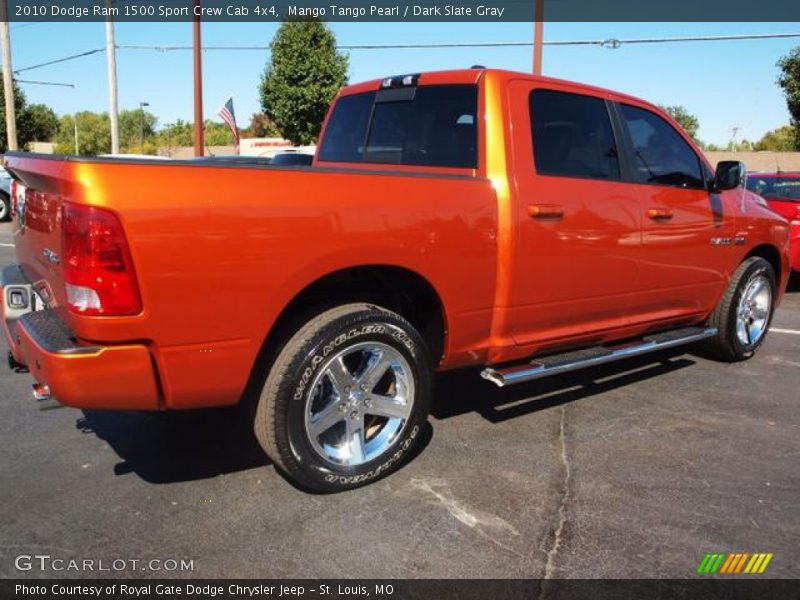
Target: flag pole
{"points": [[199, 145]]}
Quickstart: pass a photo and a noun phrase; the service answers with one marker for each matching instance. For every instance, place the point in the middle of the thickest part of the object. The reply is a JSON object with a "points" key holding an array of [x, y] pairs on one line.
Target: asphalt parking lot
{"points": [[631, 470]]}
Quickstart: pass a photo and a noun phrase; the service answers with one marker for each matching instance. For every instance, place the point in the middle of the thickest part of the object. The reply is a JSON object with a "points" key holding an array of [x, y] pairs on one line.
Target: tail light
{"points": [[796, 220], [98, 270], [12, 190]]}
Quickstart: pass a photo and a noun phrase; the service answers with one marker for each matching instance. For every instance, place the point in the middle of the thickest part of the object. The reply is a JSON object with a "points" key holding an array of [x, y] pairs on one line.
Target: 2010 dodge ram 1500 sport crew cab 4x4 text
{"points": [[466, 218]]}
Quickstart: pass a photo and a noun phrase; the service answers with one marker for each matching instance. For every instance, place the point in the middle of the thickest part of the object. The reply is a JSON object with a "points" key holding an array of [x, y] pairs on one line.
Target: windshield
{"points": [[785, 188]]}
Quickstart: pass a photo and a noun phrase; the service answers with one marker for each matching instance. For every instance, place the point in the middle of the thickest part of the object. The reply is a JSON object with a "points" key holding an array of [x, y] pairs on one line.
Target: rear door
{"points": [[688, 233], [577, 262]]}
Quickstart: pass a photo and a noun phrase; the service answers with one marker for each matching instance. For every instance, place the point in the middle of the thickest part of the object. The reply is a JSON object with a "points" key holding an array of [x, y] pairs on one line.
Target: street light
{"points": [[141, 133]]}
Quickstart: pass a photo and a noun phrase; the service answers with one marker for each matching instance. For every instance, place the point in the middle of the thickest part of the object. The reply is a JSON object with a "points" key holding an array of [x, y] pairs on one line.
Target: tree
{"points": [[24, 125], [685, 119], [94, 134], [301, 79], [43, 122], [261, 126], [781, 139], [137, 127], [217, 134], [789, 80]]}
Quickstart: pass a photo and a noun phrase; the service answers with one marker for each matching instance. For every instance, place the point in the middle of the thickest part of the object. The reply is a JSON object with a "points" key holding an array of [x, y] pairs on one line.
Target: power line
{"points": [[60, 60], [31, 82], [612, 43]]}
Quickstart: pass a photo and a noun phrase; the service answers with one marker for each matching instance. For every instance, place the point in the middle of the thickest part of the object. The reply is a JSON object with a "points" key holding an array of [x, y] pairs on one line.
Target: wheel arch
{"points": [[773, 256], [402, 290]]}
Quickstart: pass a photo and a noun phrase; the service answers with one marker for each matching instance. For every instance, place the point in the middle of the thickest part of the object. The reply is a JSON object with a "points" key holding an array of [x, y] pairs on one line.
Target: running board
{"points": [[597, 355]]}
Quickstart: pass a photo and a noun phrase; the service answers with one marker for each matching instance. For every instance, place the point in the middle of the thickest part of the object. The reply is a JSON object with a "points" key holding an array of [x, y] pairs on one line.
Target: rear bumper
{"points": [[78, 374]]}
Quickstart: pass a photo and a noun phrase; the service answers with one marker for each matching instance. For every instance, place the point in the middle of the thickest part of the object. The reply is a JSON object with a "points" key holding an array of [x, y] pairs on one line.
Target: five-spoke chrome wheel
{"points": [[754, 310], [359, 403]]}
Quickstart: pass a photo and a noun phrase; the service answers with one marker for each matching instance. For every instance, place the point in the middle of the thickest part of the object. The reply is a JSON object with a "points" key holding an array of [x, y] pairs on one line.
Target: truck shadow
{"points": [[463, 391], [183, 446], [177, 446], [201, 444]]}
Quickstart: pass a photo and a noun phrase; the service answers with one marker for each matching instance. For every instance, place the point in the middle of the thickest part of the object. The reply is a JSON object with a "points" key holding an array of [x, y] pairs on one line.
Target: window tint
{"points": [[572, 136], [437, 126], [347, 127], [662, 156]]}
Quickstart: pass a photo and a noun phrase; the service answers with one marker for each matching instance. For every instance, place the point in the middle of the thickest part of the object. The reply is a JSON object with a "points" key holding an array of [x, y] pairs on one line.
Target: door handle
{"points": [[659, 214], [545, 211]]}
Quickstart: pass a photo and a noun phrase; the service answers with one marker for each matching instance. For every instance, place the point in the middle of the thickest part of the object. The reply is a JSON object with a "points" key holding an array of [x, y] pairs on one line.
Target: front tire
{"points": [[744, 313], [346, 398]]}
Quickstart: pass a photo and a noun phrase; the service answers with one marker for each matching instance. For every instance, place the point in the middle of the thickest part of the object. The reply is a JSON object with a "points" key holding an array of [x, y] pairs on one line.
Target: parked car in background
{"points": [[5, 195], [527, 225], [781, 190]]}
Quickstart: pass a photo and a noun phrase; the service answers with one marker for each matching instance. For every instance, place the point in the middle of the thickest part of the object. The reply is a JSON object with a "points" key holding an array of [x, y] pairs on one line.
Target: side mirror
{"points": [[730, 174]]}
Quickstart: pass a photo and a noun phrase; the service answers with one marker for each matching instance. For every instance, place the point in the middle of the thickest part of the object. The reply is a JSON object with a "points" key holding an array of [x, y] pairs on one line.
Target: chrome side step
{"points": [[597, 355]]}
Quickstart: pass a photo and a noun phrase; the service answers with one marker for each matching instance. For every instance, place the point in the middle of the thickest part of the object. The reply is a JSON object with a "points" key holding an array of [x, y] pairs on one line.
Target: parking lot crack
{"points": [[552, 553]]}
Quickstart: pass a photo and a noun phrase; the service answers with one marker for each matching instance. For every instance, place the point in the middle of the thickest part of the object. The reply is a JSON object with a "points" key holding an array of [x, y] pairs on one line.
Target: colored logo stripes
{"points": [[734, 563]]}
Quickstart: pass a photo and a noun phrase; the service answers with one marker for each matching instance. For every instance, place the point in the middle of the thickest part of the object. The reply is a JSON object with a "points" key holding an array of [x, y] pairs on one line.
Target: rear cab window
{"points": [[572, 136], [429, 125]]}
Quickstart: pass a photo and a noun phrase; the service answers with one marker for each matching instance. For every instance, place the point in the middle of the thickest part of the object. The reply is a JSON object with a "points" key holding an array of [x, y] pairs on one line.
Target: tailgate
{"points": [[43, 185]]}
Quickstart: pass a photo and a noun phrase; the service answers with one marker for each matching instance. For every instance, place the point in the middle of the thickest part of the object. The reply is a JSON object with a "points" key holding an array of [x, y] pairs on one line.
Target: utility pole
{"points": [[538, 33], [199, 145], [111, 58], [8, 79]]}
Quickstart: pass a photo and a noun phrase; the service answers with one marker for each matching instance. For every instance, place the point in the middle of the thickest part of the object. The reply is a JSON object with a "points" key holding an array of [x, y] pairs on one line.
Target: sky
{"points": [[726, 84]]}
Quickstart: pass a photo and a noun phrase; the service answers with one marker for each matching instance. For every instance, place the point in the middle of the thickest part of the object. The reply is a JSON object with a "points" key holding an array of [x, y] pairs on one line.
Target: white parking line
{"points": [[791, 331], [7, 245]]}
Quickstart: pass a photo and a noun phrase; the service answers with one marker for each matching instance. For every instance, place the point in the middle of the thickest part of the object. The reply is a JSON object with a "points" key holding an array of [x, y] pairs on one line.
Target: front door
{"points": [[576, 266], [688, 234]]}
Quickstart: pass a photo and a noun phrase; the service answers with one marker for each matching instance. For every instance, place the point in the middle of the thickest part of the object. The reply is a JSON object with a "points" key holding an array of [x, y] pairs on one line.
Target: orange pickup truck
{"points": [[477, 217]]}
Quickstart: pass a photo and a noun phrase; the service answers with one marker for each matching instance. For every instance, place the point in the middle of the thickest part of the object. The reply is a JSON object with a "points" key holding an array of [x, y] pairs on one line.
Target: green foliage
{"points": [[43, 121], [777, 140], [304, 74], [217, 134], [261, 126], [94, 134], [685, 119], [137, 127], [34, 122], [179, 133], [789, 80]]}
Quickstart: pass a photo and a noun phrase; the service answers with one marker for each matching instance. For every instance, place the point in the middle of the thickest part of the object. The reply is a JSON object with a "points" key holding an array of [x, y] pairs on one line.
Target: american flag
{"points": [[226, 112]]}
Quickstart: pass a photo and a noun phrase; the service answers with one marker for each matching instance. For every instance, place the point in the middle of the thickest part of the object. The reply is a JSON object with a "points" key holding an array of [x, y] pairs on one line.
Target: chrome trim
{"points": [[534, 370]]}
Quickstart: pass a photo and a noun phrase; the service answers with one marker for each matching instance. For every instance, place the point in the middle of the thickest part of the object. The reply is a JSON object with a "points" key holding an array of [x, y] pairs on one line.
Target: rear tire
{"points": [[744, 312], [346, 398], [5, 208]]}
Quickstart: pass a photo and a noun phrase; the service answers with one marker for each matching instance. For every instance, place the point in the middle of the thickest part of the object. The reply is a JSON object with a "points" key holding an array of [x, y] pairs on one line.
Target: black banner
{"points": [[559, 589], [400, 11]]}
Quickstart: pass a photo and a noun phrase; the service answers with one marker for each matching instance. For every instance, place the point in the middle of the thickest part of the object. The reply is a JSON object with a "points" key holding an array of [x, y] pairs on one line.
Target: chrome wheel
{"points": [[754, 310], [4, 209], [359, 403]]}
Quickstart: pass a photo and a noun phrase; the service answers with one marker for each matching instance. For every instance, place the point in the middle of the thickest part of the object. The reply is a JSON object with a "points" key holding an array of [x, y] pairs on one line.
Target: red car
{"points": [[782, 192]]}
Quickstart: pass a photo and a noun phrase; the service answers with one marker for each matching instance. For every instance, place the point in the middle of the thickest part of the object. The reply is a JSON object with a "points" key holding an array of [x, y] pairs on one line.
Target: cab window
{"points": [[572, 136], [662, 156]]}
